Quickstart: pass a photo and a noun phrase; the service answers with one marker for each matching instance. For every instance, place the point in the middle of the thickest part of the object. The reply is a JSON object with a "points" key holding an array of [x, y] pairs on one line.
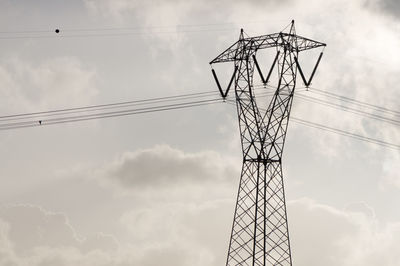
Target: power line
{"points": [[119, 31], [338, 131], [107, 107], [125, 31], [338, 97], [108, 29], [118, 104], [349, 109], [116, 34], [68, 119], [68, 115], [346, 133], [353, 101], [129, 28]]}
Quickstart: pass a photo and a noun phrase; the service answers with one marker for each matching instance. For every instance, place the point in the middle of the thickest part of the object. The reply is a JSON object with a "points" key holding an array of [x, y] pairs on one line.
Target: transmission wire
{"points": [[108, 104], [105, 106], [349, 109], [339, 131], [68, 119], [353, 101]]}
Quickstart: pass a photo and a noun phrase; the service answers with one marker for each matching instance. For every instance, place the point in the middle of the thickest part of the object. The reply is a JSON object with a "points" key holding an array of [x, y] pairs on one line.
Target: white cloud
{"points": [[177, 233], [46, 229], [30, 235], [322, 235], [43, 229], [48, 239], [391, 169]]}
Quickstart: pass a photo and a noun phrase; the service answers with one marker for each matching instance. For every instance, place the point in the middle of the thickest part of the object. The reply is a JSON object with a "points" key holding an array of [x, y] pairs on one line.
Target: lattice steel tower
{"points": [[260, 233]]}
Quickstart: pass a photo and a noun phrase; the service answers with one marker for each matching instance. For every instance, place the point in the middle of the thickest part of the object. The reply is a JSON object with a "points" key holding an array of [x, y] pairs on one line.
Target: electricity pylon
{"points": [[260, 233]]}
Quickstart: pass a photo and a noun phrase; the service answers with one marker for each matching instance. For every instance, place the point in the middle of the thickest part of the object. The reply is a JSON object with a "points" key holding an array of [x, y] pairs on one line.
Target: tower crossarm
{"points": [[234, 53]]}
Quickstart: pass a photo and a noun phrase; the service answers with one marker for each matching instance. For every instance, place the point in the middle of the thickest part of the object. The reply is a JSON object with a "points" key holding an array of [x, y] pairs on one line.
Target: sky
{"points": [[160, 188]]}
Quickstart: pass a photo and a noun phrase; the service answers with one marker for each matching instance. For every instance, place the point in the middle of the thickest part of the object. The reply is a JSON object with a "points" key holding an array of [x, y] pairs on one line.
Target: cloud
{"points": [[164, 166], [188, 233], [46, 229], [150, 9], [345, 237], [43, 229], [391, 7], [323, 235], [391, 169], [165, 23], [45, 85], [166, 233], [320, 234], [30, 235], [48, 238], [344, 69], [197, 232], [149, 13]]}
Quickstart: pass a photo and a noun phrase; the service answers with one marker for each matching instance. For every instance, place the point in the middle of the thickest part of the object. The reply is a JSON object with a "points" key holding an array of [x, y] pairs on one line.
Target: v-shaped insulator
{"points": [[224, 94], [307, 83], [265, 81]]}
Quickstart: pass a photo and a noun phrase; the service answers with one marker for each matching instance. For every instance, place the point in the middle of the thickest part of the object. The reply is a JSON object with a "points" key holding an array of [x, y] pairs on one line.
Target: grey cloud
{"points": [[331, 230], [163, 166], [391, 6], [171, 12]]}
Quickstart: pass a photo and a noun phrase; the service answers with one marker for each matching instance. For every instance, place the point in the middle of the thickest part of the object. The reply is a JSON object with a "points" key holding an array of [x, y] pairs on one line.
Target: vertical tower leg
{"points": [[260, 231]]}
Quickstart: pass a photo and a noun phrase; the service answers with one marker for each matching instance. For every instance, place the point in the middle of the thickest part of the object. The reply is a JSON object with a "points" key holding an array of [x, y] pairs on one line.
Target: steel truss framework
{"points": [[260, 233]]}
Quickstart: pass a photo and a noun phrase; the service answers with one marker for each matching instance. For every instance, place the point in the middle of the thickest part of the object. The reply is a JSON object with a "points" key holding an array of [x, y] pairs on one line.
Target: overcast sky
{"points": [[159, 188]]}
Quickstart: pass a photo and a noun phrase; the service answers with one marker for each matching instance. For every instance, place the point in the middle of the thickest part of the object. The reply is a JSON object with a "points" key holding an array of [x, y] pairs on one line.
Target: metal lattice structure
{"points": [[260, 233]]}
